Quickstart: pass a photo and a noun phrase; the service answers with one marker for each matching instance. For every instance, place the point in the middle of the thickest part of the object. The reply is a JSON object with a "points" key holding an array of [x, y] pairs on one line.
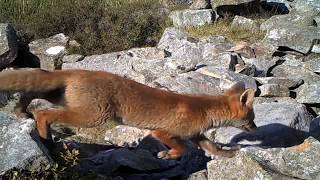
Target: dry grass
{"points": [[223, 28], [101, 26]]}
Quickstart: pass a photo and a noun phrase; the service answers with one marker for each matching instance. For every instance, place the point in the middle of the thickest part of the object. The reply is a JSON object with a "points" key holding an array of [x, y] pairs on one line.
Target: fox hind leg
{"points": [[175, 143]]}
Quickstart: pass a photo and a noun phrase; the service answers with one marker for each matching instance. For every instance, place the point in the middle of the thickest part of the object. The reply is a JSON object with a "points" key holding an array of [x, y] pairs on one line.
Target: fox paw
{"points": [[169, 155]]}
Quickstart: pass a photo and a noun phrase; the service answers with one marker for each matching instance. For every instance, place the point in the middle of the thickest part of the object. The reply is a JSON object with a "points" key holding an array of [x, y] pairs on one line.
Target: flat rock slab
{"points": [[17, 147]]}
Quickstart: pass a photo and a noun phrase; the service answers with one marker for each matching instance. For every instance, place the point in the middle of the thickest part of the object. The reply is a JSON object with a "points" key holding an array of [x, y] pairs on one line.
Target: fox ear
{"points": [[247, 97], [237, 88]]}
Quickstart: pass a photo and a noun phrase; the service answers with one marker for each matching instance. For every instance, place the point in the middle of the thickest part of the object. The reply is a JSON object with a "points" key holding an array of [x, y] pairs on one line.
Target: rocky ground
{"points": [[284, 69]]}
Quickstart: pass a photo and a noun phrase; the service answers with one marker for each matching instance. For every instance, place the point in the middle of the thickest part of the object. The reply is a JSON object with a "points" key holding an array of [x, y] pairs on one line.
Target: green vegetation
{"points": [[223, 28], [99, 25]]}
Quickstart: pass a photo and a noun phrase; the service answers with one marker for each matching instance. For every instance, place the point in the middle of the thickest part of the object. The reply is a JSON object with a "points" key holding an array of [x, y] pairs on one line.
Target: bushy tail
{"points": [[34, 80]]}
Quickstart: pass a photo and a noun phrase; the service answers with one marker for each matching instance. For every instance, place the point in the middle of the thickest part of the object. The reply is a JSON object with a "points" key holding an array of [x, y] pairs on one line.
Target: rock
{"points": [[8, 45], [187, 18], [189, 83], [273, 90], [50, 51], [282, 81], [280, 124], [188, 52], [294, 37], [200, 175], [228, 78], [309, 93], [300, 161], [242, 167], [262, 65], [17, 148], [286, 20], [72, 58], [200, 4], [123, 63], [316, 20], [240, 22], [313, 65], [310, 7], [125, 136]]}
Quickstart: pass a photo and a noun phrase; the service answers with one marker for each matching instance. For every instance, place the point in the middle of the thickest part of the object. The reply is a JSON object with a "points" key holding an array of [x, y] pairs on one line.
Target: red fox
{"points": [[94, 97]]}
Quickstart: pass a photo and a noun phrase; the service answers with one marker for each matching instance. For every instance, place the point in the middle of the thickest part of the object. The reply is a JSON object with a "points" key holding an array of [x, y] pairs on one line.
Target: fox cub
{"points": [[93, 97]]}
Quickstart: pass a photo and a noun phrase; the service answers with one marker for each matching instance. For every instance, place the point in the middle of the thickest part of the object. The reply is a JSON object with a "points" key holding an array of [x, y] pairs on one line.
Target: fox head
{"points": [[241, 103]]}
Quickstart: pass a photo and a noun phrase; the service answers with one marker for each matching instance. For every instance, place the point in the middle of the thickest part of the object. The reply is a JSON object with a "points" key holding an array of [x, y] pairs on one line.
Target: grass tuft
{"points": [[223, 28]]}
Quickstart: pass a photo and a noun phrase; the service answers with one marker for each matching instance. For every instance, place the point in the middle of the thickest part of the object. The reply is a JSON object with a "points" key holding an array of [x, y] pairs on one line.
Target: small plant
{"points": [[70, 156]]}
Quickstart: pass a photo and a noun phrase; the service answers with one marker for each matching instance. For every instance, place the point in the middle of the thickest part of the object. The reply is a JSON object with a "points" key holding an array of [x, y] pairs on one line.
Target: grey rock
{"points": [[50, 51], [72, 58], [187, 52], [294, 37], [283, 81], [200, 4], [17, 148], [8, 45], [125, 136], [280, 124], [309, 93], [124, 63], [316, 20], [240, 22], [189, 83], [313, 65], [241, 167], [286, 20], [300, 161], [273, 90], [262, 65], [218, 3], [228, 78], [187, 18], [200, 175], [308, 7]]}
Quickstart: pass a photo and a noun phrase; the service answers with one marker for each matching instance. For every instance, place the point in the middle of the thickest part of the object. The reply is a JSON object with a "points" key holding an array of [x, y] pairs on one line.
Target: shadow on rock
{"points": [[273, 136]]}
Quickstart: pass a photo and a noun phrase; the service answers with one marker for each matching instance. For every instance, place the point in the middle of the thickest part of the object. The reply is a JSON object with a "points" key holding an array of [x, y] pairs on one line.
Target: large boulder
{"points": [[8, 45], [18, 149]]}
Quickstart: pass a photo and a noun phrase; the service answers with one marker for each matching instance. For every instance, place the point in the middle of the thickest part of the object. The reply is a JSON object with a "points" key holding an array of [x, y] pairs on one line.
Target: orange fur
{"points": [[94, 97]]}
